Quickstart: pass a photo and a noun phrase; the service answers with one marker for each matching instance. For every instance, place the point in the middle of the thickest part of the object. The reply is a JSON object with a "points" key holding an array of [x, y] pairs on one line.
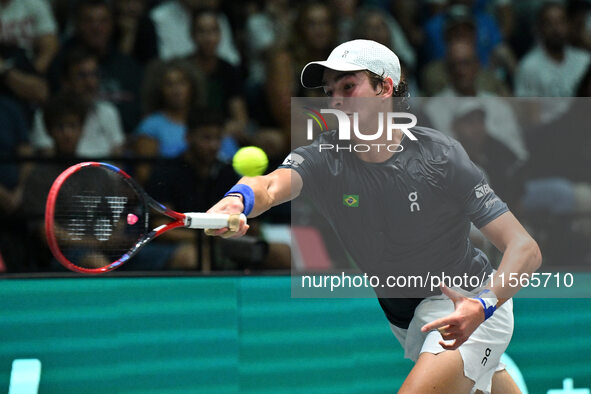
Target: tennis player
{"points": [[423, 199]]}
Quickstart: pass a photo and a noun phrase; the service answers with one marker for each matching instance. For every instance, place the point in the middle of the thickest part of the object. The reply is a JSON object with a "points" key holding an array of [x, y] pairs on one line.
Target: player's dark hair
{"points": [[57, 108], [202, 117], [400, 90]]}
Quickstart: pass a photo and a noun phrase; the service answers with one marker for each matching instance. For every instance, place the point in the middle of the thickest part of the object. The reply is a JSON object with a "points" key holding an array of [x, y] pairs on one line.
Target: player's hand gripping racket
{"points": [[97, 218]]}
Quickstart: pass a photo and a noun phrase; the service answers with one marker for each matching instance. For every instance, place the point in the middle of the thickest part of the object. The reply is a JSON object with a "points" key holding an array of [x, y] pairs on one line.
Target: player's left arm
{"points": [[521, 254]]}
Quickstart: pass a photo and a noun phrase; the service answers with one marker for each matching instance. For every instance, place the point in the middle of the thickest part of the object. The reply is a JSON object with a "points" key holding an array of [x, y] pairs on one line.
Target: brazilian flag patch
{"points": [[351, 200]]}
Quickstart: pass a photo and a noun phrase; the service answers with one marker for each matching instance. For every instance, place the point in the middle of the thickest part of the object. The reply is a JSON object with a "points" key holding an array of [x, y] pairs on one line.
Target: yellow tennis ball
{"points": [[250, 161]]}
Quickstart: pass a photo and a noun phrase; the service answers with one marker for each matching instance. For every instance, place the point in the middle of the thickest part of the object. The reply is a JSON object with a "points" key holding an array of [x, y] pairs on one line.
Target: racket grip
{"points": [[213, 220]]}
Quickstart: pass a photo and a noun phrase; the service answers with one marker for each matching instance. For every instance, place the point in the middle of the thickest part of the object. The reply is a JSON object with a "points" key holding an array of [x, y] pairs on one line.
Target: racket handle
{"points": [[213, 220]]}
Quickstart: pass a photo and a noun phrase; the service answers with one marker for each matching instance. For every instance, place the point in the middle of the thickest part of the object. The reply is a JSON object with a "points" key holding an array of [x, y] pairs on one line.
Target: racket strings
{"points": [[98, 218]]}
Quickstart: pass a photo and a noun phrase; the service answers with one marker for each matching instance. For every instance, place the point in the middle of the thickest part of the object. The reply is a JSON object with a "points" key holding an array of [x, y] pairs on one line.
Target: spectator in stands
{"points": [[267, 28], [14, 143], [508, 175], [435, 7], [504, 169], [120, 74], [435, 77], [20, 81], [204, 179], [64, 117], [463, 66], [553, 68], [29, 25], [503, 61], [313, 37], [171, 89], [102, 133], [374, 24], [579, 13], [409, 14], [28, 43], [270, 106], [346, 11], [135, 34], [570, 157], [224, 86], [173, 20], [488, 35]]}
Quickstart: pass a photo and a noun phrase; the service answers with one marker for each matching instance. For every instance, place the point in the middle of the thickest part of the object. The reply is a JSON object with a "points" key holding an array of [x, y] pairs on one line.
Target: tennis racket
{"points": [[97, 217]]}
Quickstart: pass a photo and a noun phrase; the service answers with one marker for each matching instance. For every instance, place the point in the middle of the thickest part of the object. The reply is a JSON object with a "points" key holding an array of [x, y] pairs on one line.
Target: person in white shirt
{"points": [[30, 25], [102, 132], [463, 67], [552, 68], [173, 20]]}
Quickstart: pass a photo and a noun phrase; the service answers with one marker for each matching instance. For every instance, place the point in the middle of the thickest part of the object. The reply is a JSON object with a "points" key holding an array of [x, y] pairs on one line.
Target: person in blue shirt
{"points": [[488, 34], [171, 90]]}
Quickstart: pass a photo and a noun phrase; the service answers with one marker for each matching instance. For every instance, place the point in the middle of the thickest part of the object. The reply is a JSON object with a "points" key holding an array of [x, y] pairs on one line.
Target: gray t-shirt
{"points": [[409, 215]]}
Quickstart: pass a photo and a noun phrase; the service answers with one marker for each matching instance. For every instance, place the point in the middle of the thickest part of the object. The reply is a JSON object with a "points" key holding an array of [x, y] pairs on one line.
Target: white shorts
{"points": [[481, 353]]}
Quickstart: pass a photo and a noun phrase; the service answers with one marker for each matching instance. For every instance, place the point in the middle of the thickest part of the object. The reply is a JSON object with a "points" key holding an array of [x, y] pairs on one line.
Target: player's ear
{"points": [[387, 88]]}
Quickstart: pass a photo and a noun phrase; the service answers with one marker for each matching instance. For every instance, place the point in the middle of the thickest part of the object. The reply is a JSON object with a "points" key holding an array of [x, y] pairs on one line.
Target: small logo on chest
{"points": [[414, 205], [351, 200]]}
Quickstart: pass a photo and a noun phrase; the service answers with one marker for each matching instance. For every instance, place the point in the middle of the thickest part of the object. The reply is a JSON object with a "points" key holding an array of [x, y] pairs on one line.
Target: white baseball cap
{"points": [[356, 55]]}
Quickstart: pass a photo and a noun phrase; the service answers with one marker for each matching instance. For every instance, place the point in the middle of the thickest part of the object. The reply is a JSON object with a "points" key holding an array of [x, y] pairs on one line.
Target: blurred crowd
{"points": [[193, 80]]}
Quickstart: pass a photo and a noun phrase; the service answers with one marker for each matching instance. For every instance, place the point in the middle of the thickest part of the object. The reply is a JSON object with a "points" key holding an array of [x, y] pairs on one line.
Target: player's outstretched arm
{"points": [[255, 195]]}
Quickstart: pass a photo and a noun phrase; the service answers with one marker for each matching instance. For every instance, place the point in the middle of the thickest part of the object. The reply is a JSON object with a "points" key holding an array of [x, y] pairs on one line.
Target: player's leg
{"points": [[471, 366], [503, 383], [437, 373]]}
